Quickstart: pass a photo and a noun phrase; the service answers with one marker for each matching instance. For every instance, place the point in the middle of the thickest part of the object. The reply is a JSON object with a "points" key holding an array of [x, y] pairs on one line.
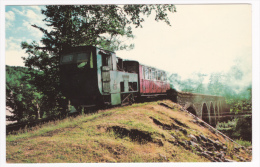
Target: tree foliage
{"points": [[239, 99], [215, 86], [22, 98], [238, 128], [193, 85]]}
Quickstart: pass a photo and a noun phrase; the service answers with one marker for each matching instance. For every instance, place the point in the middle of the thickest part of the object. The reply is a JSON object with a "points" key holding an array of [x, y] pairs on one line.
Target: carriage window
{"points": [[143, 72], [152, 74], [156, 77], [159, 76], [163, 77], [150, 71], [146, 73]]}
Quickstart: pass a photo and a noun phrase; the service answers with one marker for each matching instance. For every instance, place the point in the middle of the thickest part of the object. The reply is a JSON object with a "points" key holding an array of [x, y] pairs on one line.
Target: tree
{"points": [[197, 80], [76, 25], [188, 85], [175, 81], [22, 98], [215, 85]]}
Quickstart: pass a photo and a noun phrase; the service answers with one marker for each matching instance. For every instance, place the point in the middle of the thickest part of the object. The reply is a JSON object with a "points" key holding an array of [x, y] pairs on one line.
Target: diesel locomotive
{"points": [[91, 76]]}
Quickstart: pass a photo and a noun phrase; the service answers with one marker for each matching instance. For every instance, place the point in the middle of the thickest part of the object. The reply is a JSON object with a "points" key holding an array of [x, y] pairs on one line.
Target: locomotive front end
{"points": [[78, 74]]}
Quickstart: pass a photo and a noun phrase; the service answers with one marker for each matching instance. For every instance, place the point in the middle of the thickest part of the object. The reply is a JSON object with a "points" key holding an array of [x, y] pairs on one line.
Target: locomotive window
{"points": [[122, 86], [84, 60], [106, 60], [135, 86], [67, 58], [119, 64], [131, 68], [83, 57], [132, 86]]}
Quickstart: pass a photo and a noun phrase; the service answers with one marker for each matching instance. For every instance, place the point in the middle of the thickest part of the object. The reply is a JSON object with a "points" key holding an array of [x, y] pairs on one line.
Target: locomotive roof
{"points": [[68, 49]]}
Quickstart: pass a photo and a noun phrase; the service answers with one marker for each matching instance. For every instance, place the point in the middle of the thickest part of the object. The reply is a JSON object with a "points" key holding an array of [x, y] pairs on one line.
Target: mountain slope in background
{"points": [[146, 132]]}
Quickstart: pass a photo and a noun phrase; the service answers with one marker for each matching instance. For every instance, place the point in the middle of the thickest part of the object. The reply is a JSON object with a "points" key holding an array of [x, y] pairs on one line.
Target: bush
{"points": [[238, 128]]}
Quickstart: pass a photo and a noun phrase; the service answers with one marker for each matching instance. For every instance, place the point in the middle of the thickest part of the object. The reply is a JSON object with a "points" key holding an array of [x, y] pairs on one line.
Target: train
{"points": [[91, 76]]}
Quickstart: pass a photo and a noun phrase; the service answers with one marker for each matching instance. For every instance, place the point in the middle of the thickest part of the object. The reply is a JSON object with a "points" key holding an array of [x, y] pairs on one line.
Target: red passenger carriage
{"points": [[152, 81]]}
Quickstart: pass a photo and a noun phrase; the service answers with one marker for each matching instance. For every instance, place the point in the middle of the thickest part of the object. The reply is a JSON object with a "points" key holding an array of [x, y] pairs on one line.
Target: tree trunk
{"points": [[38, 111]]}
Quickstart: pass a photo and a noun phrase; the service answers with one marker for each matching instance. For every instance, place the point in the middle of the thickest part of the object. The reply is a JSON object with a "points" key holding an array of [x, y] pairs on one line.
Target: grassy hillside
{"points": [[148, 132]]}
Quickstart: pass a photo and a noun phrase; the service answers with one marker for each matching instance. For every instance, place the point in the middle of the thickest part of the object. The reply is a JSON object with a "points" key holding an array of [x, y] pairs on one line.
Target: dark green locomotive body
{"points": [[92, 76]]}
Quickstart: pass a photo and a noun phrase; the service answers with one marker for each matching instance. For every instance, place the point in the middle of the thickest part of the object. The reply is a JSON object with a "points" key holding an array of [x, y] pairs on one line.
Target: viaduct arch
{"points": [[205, 113], [207, 107]]}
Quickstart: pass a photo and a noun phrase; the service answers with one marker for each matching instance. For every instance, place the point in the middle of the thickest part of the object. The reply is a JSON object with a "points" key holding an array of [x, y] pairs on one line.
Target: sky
{"points": [[201, 38], [18, 21]]}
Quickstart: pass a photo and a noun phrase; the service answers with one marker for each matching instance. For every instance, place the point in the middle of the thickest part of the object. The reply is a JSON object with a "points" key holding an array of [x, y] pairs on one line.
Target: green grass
{"points": [[51, 126], [244, 143]]}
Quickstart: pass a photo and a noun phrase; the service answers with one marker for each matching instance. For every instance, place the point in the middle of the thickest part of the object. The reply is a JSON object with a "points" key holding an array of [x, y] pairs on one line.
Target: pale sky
{"points": [[202, 38]]}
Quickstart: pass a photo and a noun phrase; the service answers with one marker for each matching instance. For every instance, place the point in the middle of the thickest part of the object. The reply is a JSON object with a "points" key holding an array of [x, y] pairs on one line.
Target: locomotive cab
{"points": [[92, 76], [78, 75]]}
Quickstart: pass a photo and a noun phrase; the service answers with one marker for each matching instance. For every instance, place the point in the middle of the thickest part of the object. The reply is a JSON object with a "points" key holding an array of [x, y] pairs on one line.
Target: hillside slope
{"points": [[149, 132]]}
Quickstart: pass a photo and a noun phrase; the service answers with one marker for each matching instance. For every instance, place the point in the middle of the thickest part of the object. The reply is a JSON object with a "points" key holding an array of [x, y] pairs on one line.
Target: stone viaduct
{"points": [[207, 107]]}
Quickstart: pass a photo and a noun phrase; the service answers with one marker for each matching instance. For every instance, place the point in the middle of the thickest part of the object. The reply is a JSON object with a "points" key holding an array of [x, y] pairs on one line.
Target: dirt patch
{"points": [[115, 150], [164, 126], [165, 105], [51, 133], [133, 134], [179, 123], [170, 127]]}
